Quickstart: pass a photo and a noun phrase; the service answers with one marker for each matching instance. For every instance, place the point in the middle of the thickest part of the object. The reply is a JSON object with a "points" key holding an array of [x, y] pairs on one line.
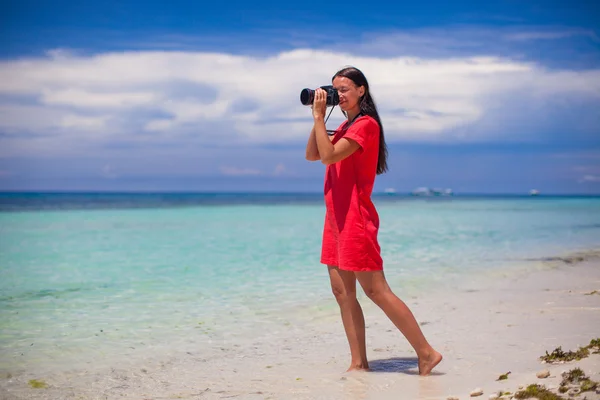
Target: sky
{"points": [[479, 97]]}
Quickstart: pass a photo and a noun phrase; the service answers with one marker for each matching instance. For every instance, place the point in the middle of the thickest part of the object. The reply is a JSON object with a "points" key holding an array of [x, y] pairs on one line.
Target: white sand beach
{"points": [[485, 326]]}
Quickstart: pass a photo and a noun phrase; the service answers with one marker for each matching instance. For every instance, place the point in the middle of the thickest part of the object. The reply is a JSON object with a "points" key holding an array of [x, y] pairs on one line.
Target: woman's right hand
{"points": [[319, 105]]}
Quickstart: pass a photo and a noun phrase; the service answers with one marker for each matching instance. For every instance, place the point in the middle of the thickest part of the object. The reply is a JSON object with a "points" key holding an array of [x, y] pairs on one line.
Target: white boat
{"points": [[534, 192], [421, 191], [390, 191], [425, 191]]}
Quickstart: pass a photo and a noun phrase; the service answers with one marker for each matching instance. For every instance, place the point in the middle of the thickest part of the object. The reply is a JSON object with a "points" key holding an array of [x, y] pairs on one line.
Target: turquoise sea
{"points": [[99, 277]]}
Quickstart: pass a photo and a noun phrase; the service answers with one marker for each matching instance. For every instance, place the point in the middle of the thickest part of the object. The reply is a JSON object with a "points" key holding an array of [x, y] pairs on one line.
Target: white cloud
{"points": [[550, 34], [194, 111], [17, 118], [159, 125], [256, 99], [589, 178], [80, 122], [279, 169], [235, 171], [86, 99], [590, 169]]}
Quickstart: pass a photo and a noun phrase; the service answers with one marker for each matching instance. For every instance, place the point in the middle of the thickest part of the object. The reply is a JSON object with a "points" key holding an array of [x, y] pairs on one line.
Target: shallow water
{"points": [[104, 278]]}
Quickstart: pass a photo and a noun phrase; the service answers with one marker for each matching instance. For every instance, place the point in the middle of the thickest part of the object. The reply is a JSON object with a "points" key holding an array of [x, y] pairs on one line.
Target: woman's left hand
{"points": [[319, 104]]}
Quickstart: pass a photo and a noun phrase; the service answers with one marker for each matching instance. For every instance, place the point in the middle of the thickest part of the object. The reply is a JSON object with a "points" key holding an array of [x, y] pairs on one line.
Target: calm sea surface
{"points": [[93, 276]]}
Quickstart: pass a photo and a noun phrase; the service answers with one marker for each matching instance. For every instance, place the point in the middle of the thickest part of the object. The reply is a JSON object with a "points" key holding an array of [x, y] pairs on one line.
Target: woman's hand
{"points": [[319, 104]]}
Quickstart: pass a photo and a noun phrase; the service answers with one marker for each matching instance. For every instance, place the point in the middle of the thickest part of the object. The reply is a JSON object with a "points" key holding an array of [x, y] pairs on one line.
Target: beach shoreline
{"points": [[484, 327]]}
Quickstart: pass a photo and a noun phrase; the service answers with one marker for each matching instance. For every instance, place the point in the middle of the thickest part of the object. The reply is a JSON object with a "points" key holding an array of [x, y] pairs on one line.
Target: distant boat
{"points": [[425, 191], [390, 191], [421, 191], [534, 192]]}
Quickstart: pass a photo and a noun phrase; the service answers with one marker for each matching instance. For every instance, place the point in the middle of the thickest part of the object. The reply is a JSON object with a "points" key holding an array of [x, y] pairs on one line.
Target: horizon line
{"points": [[292, 192]]}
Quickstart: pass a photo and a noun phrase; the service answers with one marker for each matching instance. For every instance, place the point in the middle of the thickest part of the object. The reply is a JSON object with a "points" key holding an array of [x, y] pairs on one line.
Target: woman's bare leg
{"points": [[378, 290], [343, 285]]}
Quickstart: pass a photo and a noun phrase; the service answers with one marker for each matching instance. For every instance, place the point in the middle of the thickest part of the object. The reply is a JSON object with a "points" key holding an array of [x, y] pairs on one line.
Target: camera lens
{"points": [[307, 96]]}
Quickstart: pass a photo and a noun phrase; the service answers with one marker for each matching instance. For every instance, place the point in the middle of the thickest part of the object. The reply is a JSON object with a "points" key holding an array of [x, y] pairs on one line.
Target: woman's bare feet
{"points": [[427, 363], [358, 367]]}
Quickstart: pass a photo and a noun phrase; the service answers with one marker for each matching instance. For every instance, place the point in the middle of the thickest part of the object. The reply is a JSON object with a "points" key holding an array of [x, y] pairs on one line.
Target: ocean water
{"points": [[95, 278]]}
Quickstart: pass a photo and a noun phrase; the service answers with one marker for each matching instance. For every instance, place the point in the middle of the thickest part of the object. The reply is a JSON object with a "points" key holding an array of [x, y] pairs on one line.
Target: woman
{"points": [[354, 155]]}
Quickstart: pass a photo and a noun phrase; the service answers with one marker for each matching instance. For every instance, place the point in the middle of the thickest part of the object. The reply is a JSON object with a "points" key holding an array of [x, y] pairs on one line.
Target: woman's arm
{"points": [[312, 152], [328, 152]]}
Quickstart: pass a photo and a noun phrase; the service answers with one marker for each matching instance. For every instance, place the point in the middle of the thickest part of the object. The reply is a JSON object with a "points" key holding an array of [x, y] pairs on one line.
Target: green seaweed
{"points": [[503, 376], [591, 293], [563, 389], [37, 384], [572, 376], [594, 344], [588, 385], [577, 377], [559, 355], [538, 392]]}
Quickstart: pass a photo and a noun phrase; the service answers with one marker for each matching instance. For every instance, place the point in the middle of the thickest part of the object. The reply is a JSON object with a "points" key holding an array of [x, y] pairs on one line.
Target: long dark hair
{"points": [[367, 107]]}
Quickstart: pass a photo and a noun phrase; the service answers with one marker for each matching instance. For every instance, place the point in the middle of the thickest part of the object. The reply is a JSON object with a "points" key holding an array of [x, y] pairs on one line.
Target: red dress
{"points": [[351, 221]]}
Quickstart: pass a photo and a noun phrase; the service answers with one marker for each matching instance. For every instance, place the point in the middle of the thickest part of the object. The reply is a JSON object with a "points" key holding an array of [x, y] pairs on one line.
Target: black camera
{"points": [[307, 96]]}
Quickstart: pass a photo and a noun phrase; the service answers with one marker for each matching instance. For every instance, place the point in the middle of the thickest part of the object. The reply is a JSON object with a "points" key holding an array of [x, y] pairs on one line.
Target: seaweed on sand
{"points": [[538, 392], [558, 354], [577, 377], [594, 345], [503, 376], [37, 384]]}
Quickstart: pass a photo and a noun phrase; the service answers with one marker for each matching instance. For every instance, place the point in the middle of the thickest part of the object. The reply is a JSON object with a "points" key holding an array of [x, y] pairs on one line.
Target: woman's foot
{"points": [[427, 363], [359, 367]]}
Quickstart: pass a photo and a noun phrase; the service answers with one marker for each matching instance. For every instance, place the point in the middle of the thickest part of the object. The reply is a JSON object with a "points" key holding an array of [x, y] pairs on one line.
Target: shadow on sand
{"points": [[405, 365]]}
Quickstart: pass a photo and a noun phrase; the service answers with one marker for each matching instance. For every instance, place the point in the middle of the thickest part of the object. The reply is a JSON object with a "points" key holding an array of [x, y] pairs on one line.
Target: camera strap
{"points": [[360, 114], [329, 131], [332, 132]]}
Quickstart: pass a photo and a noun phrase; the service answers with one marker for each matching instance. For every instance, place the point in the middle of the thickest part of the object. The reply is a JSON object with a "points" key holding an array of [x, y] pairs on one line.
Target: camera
{"points": [[307, 96]]}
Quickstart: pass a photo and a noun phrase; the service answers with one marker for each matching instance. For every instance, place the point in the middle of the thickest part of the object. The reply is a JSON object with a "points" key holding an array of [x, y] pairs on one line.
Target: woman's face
{"points": [[348, 92]]}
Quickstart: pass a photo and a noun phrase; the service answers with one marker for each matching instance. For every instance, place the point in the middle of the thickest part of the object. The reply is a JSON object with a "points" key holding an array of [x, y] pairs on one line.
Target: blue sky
{"points": [[194, 96]]}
